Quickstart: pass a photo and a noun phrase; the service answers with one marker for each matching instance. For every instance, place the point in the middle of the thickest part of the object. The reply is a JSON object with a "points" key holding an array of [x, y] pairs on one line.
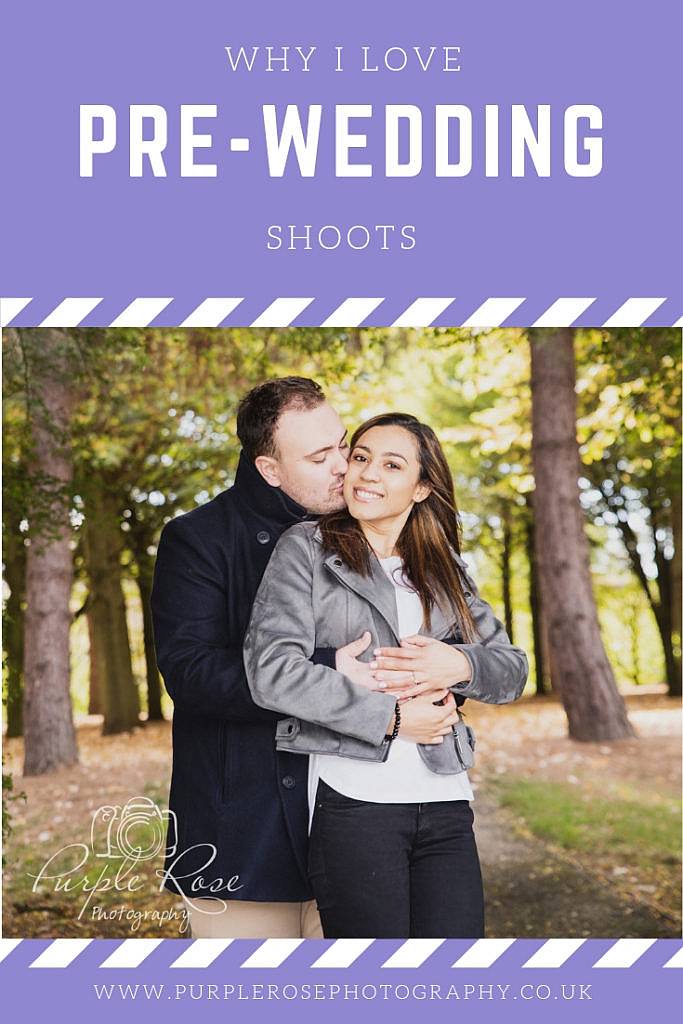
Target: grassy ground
{"points": [[629, 839], [621, 825]]}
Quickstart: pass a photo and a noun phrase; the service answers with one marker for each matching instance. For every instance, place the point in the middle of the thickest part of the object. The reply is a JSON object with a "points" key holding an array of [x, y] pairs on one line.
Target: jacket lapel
{"points": [[378, 591], [441, 626], [376, 588]]}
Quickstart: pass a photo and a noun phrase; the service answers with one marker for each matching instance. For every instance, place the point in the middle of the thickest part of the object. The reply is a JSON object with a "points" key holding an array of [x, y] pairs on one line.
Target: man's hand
{"points": [[359, 672], [422, 721], [421, 665]]}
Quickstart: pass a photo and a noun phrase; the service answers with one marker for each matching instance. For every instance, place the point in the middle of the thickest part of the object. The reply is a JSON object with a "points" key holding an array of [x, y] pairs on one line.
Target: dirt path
{"points": [[533, 891]]}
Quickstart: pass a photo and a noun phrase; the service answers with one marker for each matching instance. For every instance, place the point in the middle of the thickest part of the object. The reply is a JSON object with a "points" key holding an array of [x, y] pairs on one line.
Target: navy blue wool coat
{"points": [[230, 789]]}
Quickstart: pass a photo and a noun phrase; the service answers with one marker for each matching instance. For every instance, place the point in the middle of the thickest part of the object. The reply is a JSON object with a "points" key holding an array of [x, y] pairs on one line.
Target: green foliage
{"points": [[154, 426], [9, 796], [629, 422]]}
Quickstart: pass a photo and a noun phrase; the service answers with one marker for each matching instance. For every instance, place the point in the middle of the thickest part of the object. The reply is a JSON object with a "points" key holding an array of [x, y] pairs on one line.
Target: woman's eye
{"points": [[392, 465], [359, 458], [318, 462]]}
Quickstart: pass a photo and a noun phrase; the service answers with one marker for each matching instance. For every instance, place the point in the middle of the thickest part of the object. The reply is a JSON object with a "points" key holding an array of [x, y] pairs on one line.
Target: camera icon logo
{"points": [[138, 831]]}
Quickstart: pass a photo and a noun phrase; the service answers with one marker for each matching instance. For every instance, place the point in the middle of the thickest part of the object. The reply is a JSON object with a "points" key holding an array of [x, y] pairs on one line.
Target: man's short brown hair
{"points": [[261, 408]]}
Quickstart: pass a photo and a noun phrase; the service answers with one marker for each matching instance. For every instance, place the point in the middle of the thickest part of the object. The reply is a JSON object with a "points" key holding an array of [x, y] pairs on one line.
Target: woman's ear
{"points": [[422, 491]]}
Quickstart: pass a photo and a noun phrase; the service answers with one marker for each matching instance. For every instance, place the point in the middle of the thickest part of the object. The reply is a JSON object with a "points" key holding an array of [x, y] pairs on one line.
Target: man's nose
{"points": [[340, 464]]}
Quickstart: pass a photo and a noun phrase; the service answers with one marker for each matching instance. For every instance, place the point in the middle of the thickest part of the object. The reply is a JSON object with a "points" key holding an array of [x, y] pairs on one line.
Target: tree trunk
{"points": [[141, 540], [581, 670], [535, 608], [668, 603], [95, 706], [49, 735], [153, 678], [632, 619], [111, 644], [507, 553], [14, 557], [662, 611], [672, 664], [661, 605]]}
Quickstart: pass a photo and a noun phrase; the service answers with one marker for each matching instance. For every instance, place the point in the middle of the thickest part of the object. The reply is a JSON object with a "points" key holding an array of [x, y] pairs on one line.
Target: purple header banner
{"points": [[514, 153]]}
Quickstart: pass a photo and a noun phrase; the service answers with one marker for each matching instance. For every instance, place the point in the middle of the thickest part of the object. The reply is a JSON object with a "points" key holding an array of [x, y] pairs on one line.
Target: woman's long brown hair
{"points": [[429, 537]]}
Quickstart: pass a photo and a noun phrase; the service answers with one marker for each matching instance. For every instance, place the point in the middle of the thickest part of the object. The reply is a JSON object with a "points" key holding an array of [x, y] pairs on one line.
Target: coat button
{"points": [[289, 782], [337, 561], [263, 536]]}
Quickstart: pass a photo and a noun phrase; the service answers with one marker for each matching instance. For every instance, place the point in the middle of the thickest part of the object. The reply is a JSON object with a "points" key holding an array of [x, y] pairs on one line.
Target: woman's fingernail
{"points": [[373, 664], [382, 686]]}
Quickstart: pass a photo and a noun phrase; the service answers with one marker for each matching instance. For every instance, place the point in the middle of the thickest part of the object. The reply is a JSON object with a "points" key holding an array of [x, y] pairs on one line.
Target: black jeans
{"points": [[395, 871]]}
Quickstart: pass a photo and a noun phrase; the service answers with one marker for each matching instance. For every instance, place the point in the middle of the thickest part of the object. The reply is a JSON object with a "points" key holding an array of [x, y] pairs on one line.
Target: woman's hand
{"points": [[346, 662], [422, 721], [420, 665]]}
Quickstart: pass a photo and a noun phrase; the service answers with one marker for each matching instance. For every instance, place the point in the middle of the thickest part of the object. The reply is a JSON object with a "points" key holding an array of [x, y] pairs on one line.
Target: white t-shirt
{"points": [[403, 777]]}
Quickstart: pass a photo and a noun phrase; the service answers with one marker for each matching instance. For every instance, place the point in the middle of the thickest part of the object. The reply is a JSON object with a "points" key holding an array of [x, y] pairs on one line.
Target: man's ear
{"points": [[422, 491], [269, 469]]}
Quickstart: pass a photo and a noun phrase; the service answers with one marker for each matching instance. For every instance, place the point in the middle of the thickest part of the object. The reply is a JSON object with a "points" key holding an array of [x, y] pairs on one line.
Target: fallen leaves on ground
{"points": [[526, 740]]}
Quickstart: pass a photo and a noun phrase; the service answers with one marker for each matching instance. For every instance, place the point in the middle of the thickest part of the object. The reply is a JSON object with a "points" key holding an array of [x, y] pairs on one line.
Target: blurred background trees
{"points": [[567, 469]]}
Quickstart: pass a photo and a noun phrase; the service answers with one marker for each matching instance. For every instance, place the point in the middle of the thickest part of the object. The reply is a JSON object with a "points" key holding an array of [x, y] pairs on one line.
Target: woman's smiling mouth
{"points": [[362, 495]]}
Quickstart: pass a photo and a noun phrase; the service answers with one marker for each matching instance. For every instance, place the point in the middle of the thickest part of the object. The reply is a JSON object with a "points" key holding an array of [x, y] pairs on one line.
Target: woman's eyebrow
{"points": [[393, 455]]}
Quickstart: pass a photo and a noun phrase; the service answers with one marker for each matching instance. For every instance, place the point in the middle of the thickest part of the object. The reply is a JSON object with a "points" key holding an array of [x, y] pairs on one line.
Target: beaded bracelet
{"points": [[397, 723]]}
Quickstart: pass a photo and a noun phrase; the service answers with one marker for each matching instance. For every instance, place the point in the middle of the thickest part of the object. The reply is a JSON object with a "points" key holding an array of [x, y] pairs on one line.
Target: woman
{"points": [[392, 852]]}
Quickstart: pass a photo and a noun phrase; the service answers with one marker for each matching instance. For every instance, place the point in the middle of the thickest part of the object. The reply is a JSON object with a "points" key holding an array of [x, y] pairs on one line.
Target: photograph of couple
{"points": [[365, 627], [267, 590]]}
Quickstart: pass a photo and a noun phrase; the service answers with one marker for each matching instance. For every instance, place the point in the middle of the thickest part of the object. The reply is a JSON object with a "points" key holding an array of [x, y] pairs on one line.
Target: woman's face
{"points": [[383, 478]]}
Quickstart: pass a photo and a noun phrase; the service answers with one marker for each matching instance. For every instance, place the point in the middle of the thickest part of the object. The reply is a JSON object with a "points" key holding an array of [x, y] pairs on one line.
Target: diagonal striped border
{"points": [[350, 312], [345, 954]]}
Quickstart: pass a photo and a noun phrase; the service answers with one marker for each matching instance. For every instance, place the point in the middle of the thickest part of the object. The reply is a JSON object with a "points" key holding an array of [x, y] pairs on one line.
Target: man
{"points": [[237, 844]]}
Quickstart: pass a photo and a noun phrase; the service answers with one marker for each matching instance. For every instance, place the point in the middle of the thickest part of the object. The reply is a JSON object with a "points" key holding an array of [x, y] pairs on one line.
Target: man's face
{"points": [[311, 459]]}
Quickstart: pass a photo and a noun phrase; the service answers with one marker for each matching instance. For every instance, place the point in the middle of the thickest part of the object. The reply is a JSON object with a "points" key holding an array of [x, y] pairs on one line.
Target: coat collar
{"points": [[270, 502]]}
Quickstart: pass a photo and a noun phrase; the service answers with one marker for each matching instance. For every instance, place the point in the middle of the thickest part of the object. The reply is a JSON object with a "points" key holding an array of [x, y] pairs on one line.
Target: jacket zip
{"points": [[458, 749]]}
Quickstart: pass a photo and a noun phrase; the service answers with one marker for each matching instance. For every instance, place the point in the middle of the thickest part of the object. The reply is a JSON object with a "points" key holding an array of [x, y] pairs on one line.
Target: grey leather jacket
{"points": [[309, 598]]}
